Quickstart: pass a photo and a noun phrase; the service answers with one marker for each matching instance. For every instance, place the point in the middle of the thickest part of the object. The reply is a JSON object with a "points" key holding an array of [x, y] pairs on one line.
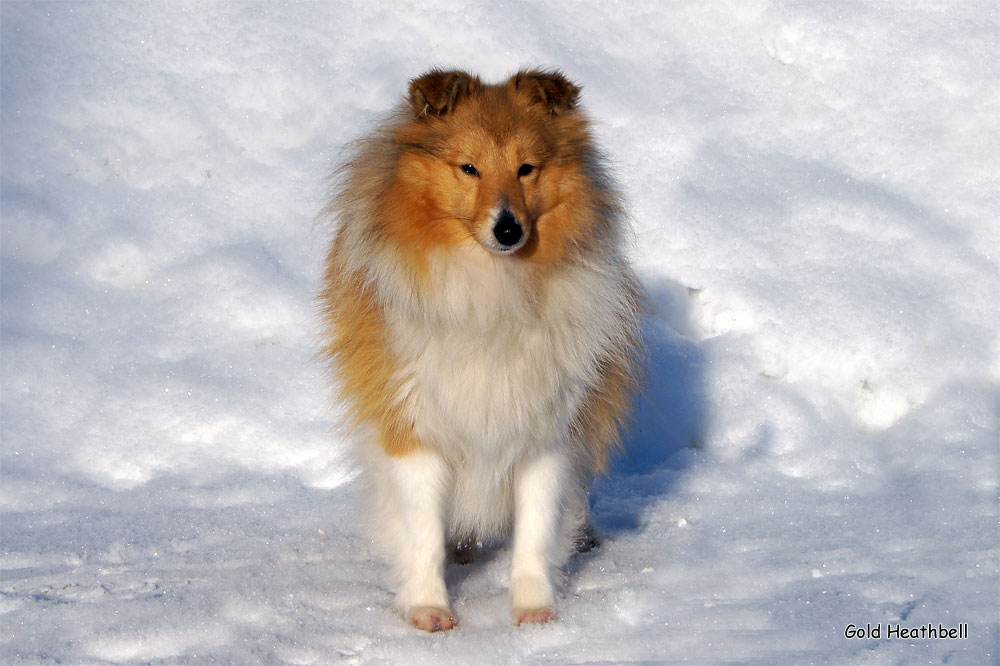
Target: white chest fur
{"points": [[495, 366]]}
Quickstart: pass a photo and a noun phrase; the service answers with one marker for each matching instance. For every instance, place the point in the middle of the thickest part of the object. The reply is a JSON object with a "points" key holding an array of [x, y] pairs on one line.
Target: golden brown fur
{"points": [[428, 304]]}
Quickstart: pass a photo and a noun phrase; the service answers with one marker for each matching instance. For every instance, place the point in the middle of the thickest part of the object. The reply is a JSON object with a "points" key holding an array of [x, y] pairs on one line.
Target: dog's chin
{"points": [[493, 247]]}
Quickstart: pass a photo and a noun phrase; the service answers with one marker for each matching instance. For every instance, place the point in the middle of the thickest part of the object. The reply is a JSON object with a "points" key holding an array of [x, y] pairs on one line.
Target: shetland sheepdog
{"points": [[482, 329]]}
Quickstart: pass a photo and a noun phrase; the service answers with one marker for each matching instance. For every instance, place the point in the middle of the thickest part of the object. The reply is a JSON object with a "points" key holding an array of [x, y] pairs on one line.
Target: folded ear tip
{"points": [[437, 91], [548, 87]]}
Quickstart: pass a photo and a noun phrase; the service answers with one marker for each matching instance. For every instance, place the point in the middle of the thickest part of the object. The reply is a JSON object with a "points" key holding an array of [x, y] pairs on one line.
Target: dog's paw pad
{"points": [[535, 616], [432, 619]]}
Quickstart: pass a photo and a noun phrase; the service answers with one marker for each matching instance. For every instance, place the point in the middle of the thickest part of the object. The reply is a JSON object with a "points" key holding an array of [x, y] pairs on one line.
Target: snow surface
{"points": [[816, 197]]}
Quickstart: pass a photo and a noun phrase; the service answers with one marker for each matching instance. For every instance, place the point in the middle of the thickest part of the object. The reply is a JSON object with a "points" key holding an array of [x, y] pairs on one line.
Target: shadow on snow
{"points": [[669, 417]]}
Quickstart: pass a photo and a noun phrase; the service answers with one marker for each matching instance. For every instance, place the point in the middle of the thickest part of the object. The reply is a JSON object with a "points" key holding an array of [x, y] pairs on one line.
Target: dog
{"points": [[482, 329]]}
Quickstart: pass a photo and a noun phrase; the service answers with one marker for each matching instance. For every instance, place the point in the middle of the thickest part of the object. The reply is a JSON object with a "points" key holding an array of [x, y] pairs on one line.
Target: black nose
{"points": [[508, 230]]}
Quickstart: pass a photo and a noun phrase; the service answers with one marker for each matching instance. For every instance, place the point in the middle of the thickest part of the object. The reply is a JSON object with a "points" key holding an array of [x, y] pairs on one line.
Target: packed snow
{"points": [[815, 191]]}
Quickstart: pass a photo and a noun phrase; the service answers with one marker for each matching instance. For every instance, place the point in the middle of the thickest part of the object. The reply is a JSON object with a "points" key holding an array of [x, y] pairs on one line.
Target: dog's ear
{"points": [[437, 92], [548, 88]]}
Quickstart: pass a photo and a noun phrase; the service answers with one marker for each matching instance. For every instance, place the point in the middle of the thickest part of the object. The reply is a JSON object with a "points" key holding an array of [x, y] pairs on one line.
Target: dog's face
{"points": [[489, 162]]}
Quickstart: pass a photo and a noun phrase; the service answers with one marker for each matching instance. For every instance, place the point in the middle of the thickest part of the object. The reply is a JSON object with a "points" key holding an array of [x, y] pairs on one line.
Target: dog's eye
{"points": [[469, 169], [525, 170]]}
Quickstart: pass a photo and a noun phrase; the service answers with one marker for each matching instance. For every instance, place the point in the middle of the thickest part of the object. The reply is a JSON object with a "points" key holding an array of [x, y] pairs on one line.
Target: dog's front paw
{"points": [[534, 616], [429, 618]]}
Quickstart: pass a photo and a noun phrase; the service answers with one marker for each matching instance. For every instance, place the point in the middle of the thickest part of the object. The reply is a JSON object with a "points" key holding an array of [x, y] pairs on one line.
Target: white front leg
{"points": [[538, 493], [418, 483]]}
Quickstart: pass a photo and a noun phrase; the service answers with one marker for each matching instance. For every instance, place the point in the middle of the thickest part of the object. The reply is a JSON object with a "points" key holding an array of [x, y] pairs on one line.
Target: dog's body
{"points": [[482, 328]]}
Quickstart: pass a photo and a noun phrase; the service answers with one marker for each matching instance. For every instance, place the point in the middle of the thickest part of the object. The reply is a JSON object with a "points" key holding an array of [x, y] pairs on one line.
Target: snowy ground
{"points": [[815, 194]]}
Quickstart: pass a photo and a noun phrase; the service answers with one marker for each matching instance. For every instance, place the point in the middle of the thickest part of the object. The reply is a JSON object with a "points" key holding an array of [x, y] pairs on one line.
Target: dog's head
{"points": [[494, 162]]}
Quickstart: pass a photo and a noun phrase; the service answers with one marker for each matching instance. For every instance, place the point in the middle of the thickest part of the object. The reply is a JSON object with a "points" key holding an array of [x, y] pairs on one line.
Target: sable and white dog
{"points": [[482, 328]]}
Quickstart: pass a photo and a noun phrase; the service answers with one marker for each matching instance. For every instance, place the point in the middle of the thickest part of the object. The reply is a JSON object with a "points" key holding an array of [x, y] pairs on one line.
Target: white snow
{"points": [[815, 190]]}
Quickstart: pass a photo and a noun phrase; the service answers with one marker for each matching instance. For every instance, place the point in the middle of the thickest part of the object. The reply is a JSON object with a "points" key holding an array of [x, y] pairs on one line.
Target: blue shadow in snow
{"points": [[669, 418]]}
